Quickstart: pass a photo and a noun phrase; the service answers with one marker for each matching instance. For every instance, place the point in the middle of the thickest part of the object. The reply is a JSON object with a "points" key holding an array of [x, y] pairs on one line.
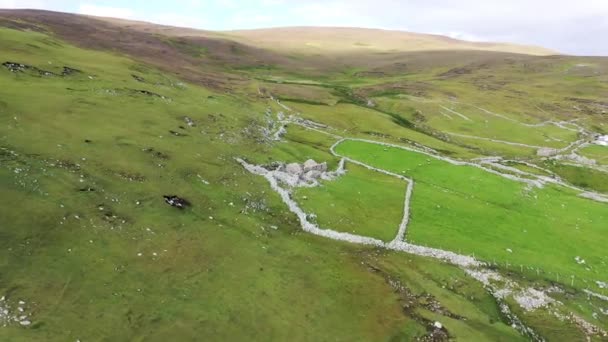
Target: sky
{"points": [[572, 27]]}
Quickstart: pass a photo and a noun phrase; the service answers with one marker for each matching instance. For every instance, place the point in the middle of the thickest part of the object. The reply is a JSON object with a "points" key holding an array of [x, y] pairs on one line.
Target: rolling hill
{"points": [[314, 40], [297, 183]]}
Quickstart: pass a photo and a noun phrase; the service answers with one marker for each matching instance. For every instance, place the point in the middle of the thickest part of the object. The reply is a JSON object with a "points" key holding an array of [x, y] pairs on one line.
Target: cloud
{"points": [[577, 27], [29, 4], [106, 11]]}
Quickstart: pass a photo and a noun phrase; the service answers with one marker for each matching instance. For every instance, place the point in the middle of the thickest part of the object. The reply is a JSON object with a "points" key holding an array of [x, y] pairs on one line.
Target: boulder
{"points": [[293, 168], [176, 201], [312, 175], [310, 165]]}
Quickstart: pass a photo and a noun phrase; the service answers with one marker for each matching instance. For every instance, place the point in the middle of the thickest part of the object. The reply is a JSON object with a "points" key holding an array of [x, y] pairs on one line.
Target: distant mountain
{"points": [[334, 39]]}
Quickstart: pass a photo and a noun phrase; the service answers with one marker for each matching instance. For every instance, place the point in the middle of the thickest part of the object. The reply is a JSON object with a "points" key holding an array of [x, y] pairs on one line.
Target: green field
{"points": [[471, 211], [87, 153], [362, 202]]}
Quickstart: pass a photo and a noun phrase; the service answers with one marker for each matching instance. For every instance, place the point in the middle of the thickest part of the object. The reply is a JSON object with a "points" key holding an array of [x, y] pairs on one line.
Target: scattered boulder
{"points": [[176, 201], [15, 67], [18, 67]]}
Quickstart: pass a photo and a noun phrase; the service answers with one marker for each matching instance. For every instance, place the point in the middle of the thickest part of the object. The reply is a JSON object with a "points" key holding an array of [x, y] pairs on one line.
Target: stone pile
{"points": [[11, 313], [307, 174]]}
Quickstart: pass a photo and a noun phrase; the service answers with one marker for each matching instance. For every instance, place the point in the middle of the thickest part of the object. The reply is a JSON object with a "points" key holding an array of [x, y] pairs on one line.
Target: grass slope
{"points": [[362, 202], [90, 246], [88, 243], [471, 211]]}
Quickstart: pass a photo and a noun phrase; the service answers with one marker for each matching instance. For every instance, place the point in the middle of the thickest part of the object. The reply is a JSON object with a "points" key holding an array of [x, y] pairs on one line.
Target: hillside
{"points": [[314, 40], [168, 183]]}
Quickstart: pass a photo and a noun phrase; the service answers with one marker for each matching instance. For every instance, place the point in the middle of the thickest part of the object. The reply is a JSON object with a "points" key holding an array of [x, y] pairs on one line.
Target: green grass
{"points": [[597, 152], [581, 176], [356, 121], [362, 202], [117, 263], [218, 269], [470, 211]]}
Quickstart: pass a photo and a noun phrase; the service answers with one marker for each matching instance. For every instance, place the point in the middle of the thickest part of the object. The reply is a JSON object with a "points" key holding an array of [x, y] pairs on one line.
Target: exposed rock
{"points": [[293, 168], [531, 299], [15, 67], [310, 165], [581, 160], [138, 78], [189, 121], [148, 93], [602, 140], [176, 201], [18, 67], [546, 152], [312, 175], [67, 71]]}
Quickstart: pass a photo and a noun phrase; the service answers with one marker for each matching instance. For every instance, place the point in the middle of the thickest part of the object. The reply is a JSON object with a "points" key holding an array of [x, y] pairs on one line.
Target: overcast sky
{"points": [[574, 27]]}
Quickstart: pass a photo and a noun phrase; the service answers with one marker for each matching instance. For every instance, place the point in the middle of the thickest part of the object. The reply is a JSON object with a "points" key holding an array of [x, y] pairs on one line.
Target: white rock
{"points": [[311, 165], [312, 174], [438, 325], [293, 168], [602, 140], [546, 152], [25, 323]]}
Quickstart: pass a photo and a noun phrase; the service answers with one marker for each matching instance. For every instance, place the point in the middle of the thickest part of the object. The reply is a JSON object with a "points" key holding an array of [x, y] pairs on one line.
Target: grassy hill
{"points": [[314, 40], [100, 119]]}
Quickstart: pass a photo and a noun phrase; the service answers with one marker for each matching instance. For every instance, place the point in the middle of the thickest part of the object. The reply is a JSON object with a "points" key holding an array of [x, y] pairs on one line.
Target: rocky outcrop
{"points": [[547, 152]]}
